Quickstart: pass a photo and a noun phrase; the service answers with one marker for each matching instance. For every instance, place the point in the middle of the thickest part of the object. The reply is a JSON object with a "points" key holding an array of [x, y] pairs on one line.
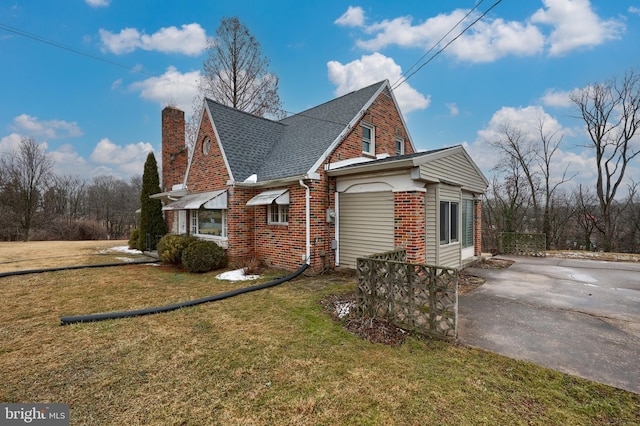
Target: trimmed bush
{"points": [[133, 239], [171, 247], [203, 256]]}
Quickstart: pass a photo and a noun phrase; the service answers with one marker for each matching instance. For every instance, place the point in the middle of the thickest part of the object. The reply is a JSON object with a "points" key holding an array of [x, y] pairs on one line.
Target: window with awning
{"points": [[207, 200]]}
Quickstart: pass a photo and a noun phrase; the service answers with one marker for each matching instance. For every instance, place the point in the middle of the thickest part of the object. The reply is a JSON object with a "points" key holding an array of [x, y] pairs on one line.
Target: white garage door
{"points": [[365, 225]]}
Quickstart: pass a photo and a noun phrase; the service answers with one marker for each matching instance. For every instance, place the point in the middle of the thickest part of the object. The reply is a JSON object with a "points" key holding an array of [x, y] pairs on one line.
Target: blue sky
{"points": [[95, 102]]}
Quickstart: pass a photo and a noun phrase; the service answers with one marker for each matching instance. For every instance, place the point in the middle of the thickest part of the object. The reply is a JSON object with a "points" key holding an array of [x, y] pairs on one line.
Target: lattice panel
{"points": [[413, 296]]}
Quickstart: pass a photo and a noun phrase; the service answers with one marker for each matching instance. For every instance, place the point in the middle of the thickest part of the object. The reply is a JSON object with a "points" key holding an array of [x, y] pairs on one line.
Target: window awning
{"points": [[208, 200], [280, 196]]}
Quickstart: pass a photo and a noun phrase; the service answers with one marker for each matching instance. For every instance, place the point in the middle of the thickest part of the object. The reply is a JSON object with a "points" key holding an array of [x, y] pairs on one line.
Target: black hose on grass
{"points": [[67, 268], [176, 306]]}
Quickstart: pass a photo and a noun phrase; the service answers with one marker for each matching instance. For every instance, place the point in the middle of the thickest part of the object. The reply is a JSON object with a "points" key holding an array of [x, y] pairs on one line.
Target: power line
{"points": [[407, 77], [71, 49], [438, 42], [82, 52]]}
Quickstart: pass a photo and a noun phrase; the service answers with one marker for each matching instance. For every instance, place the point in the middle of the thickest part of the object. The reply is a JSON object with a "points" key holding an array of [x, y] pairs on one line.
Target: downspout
{"points": [[307, 198]]}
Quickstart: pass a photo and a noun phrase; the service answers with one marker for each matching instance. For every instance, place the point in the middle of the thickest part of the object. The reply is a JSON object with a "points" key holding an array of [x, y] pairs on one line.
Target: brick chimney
{"points": [[174, 149]]}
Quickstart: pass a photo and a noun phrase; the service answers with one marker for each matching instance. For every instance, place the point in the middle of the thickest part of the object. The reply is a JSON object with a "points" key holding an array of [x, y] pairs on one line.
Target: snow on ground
{"points": [[121, 249], [236, 275]]}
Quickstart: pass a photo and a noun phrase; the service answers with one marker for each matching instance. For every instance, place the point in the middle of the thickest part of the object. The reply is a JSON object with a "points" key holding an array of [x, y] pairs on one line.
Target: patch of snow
{"points": [[121, 249], [236, 275], [343, 309]]}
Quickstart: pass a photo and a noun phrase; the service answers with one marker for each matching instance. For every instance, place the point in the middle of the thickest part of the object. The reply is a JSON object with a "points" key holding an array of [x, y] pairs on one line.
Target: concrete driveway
{"points": [[580, 317]]}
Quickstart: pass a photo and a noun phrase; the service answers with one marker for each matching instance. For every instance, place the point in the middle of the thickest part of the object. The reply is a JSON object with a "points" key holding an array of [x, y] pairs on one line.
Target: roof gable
{"points": [[289, 147]]}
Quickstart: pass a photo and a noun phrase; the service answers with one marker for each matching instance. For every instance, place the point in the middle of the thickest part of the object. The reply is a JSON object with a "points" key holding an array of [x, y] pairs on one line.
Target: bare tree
{"points": [[584, 203], [235, 72], [27, 172], [548, 147], [519, 156], [611, 112]]}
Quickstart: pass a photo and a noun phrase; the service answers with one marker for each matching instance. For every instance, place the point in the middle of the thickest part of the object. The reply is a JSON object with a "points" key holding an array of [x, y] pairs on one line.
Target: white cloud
{"points": [[190, 39], [486, 41], [10, 143], [524, 119], [635, 10], [171, 88], [98, 3], [453, 109], [68, 161], [52, 129], [575, 25], [370, 69], [353, 17], [106, 152], [557, 98]]}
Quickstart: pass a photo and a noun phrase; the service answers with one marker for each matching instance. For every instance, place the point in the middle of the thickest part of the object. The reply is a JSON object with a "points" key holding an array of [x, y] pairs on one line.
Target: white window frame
{"points": [[278, 214], [399, 142], [371, 140], [450, 234], [467, 229], [194, 228]]}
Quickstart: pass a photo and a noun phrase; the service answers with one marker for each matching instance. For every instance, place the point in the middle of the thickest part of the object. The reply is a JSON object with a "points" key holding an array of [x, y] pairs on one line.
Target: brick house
{"points": [[328, 185]]}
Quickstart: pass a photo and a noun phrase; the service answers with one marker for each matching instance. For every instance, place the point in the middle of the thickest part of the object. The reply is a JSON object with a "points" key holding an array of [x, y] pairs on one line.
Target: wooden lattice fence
{"points": [[522, 244], [416, 297]]}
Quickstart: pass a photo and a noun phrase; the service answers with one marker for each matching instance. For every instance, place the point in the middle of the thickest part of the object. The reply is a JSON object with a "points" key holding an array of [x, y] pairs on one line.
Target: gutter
{"points": [[275, 182], [307, 198]]}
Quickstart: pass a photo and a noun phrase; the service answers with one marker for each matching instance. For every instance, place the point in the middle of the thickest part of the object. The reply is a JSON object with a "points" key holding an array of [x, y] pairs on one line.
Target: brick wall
{"points": [[175, 155], [208, 172], [384, 116], [409, 228]]}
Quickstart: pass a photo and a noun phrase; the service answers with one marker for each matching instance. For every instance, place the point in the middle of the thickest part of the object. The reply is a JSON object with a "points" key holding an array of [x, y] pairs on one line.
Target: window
{"points": [[368, 139], [448, 222], [278, 214], [209, 222], [206, 146], [399, 146], [467, 223]]}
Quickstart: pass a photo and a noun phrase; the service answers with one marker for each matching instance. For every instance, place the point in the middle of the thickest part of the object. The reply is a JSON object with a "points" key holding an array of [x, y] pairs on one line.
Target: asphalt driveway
{"points": [[580, 317]]}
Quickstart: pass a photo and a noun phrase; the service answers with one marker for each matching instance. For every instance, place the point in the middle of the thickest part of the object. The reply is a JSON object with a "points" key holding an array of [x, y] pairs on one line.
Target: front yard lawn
{"points": [[263, 358]]}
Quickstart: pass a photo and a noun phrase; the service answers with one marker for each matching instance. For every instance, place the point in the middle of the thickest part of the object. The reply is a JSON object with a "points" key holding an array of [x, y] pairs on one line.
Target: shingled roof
{"points": [[289, 147]]}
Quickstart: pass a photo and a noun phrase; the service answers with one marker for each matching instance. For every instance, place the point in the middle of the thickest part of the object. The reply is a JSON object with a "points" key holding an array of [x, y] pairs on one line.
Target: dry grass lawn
{"points": [[263, 358], [16, 256]]}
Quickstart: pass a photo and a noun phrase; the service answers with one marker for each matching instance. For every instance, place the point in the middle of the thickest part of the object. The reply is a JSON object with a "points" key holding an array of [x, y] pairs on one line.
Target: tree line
{"points": [[527, 194], [38, 204]]}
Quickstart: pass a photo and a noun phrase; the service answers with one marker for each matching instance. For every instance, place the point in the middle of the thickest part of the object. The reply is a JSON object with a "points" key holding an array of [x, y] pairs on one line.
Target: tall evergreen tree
{"points": [[152, 222]]}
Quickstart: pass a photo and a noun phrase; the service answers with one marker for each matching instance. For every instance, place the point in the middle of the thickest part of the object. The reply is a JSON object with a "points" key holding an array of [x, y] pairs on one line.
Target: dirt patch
{"points": [[342, 309]]}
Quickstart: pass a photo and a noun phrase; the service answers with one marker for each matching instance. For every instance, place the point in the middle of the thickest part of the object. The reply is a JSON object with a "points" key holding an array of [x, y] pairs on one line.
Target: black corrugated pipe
{"points": [[67, 268], [168, 308]]}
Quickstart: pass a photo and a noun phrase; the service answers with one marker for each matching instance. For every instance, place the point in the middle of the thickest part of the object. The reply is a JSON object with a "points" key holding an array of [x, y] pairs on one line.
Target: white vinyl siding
{"points": [[366, 225], [454, 168]]}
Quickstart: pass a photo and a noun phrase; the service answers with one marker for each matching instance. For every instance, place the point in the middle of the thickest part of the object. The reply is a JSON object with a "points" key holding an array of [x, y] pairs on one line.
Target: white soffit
{"points": [[280, 196]]}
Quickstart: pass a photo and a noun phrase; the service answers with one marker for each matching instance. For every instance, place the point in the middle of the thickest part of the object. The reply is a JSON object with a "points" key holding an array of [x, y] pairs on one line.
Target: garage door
{"points": [[365, 225]]}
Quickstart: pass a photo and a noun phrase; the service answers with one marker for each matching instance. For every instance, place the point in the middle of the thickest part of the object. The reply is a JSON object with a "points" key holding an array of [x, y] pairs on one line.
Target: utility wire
{"points": [[80, 52], [438, 42], [407, 77]]}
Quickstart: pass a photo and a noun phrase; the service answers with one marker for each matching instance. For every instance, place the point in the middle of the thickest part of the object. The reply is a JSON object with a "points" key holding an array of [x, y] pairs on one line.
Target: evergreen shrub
{"points": [[203, 256], [171, 247]]}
